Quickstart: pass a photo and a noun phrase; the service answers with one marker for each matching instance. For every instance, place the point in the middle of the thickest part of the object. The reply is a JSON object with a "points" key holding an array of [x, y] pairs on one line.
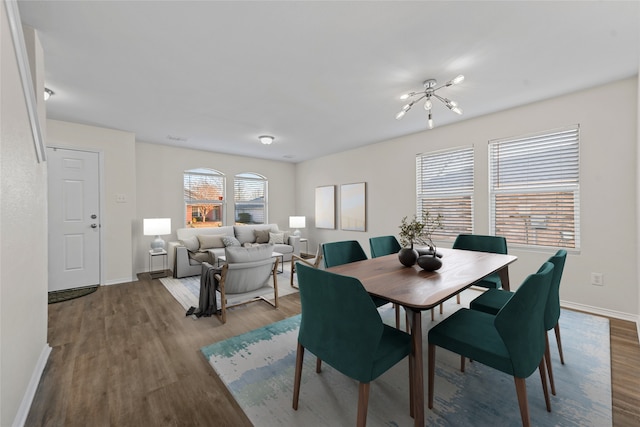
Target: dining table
{"points": [[418, 290]]}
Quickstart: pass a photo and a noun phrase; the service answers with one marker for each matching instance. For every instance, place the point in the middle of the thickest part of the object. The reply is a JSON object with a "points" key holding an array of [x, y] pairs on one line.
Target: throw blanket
{"points": [[207, 305]]}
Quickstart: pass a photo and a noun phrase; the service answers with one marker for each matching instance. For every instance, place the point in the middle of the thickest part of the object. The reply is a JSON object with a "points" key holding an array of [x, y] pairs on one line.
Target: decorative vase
{"points": [[408, 256], [426, 250], [429, 262]]}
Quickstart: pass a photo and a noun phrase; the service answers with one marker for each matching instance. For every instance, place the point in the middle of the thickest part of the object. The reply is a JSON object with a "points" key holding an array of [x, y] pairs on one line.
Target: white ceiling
{"points": [[322, 77]]}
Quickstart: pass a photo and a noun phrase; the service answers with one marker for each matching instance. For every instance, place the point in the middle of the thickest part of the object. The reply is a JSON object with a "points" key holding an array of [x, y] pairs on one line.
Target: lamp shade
{"points": [[156, 227], [297, 221]]}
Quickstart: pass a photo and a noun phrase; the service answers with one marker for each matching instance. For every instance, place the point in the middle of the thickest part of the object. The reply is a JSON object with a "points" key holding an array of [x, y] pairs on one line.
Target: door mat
{"points": [[68, 294]]}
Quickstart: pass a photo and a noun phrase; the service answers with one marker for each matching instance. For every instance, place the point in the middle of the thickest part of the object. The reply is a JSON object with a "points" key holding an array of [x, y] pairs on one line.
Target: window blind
{"points": [[250, 192], [204, 197], [534, 188], [444, 183]]}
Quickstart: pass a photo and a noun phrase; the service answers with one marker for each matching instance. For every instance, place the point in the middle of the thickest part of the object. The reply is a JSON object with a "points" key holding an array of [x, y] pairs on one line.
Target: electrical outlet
{"points": [[597, 279]]}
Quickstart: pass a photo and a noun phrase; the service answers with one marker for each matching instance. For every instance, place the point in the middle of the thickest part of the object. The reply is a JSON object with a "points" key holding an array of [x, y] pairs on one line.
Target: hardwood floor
{"points": [[126, 355]]}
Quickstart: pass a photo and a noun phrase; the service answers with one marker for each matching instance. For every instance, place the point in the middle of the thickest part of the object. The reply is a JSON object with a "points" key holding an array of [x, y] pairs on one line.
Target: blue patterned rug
{"points": [[258, 369]]}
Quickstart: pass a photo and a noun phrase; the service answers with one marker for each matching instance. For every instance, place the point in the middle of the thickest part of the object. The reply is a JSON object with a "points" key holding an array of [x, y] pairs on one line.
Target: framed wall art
{"points": [[326, 207], [353, 207]]}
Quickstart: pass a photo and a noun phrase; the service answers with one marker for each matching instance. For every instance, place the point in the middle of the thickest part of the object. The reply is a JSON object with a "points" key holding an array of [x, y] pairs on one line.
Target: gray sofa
{"points": [[195, 245]]}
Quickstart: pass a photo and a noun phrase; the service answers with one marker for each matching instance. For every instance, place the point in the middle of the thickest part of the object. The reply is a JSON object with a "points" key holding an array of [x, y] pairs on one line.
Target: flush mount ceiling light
{"points": [[48, 93], [428, 93], [266, 139]]}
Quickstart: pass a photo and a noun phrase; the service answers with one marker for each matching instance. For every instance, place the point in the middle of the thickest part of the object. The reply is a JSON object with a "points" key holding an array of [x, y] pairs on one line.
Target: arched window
{"points": [[250, 196], [204, 197]]}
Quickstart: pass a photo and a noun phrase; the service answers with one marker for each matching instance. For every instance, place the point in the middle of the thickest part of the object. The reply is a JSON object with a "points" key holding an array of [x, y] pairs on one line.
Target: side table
{"points": [[306, 245], [165, 259]]}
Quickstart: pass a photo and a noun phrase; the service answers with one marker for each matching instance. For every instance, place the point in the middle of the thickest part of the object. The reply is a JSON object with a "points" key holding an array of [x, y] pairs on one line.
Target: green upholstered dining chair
{"points": [[341, 326], [387, 245], [344, 252], [383, 245], [493, 300], [482, 243], [338, 253], [511, 341]]}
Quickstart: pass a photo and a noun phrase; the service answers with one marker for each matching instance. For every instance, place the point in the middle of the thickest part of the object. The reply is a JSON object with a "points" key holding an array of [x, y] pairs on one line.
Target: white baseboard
{"points": [[29, 394], [122, 280], [600, 311], [604, 312]]}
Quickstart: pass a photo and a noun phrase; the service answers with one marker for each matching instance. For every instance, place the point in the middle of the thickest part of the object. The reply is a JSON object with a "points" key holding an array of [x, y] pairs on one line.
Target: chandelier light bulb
{"points": [[406, 96], [400, 115], [407, 107], [430, 122], [457, 110], [458, 79], [428, 105]]}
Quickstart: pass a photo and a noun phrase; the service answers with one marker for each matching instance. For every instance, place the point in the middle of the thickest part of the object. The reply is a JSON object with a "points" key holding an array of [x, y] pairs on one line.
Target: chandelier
{"points": [[428, 93]]}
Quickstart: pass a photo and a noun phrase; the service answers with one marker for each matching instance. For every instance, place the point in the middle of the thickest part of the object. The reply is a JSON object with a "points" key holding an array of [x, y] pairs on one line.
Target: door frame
{"points": [[101, 199]]}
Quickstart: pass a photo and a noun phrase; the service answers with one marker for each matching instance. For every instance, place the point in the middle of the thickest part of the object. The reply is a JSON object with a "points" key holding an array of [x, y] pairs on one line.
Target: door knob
{"points": [[94, 225]]}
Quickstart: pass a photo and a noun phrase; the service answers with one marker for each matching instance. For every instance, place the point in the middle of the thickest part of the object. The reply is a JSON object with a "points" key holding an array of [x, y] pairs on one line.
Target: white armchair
{"points": [[245, 277]]}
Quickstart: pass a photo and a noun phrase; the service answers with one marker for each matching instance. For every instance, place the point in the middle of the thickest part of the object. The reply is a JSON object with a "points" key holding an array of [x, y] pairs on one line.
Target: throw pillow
{"points": [[230, 241], [191, 243], [250, 245], [262, 236], [208, 241], [240, 254], [276, 238]]}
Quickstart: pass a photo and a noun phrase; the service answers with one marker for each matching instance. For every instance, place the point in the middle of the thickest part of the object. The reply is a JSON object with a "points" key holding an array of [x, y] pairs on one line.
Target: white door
{"points": [[74, 223]]}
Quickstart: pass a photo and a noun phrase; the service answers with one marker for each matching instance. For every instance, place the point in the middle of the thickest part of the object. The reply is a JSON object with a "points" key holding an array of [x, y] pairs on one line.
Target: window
{"points": [[445, 186], [534, 188], [250, 191], [204, 197]]}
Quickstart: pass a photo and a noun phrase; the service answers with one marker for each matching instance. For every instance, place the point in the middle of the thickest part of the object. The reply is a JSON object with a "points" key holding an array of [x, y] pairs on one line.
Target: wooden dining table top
{"points": [[412, 287]]}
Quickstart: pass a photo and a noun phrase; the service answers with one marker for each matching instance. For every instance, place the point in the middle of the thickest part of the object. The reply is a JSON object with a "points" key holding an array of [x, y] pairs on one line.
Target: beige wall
{"points": [[23, 247], [160, 172], [607, 116], [117, 152]]}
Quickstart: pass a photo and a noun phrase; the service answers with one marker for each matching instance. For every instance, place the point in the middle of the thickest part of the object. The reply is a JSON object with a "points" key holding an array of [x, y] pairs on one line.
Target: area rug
{"points": [[187, 289], [258, 369], [69, 294]]}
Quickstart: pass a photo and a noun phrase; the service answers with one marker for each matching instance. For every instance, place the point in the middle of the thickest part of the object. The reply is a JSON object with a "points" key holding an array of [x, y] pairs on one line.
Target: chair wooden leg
{"points": [[521, 391], [559, 341], [410, 387], [430, 375], [318, 365], [406, 322], [432, 315], [397, 308], [547, 359], [293, 272], [543, 378], [363, 403], [462, 363], [441, 309], [458, 298], [298, 376]]}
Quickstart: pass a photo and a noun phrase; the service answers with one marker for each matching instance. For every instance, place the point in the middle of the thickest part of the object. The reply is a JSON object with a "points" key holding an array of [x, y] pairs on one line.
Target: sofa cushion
{"points": [[229, 241], [235, 254], [209, 241], [262, 236], [276, 238], [191, 243], [245, 233]]}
